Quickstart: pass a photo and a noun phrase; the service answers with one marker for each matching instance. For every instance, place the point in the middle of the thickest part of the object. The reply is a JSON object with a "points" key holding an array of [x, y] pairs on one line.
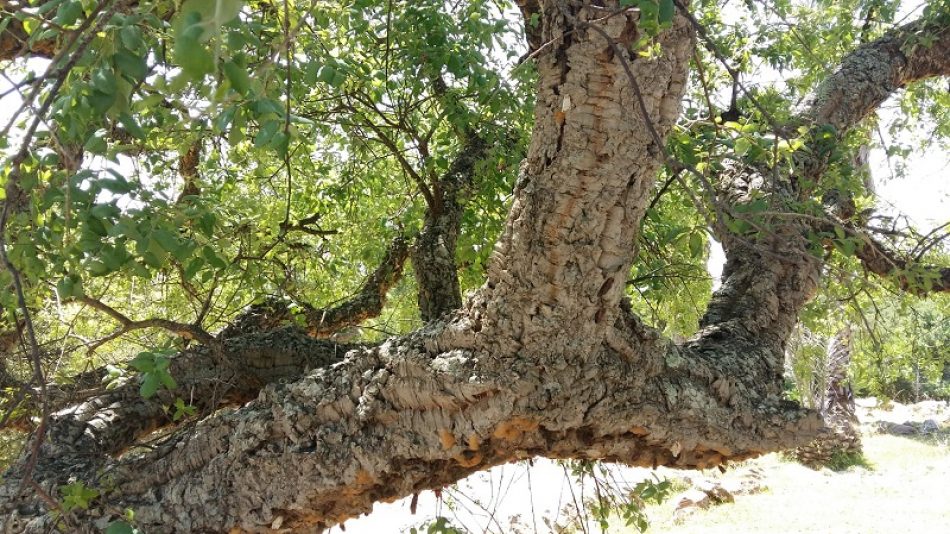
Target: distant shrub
{"points": [[841, 461]]}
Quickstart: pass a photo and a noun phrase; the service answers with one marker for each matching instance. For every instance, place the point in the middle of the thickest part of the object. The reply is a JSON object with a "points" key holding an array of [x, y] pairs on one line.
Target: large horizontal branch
{"points": [[115, 418], [82, 438], [412, 415]]}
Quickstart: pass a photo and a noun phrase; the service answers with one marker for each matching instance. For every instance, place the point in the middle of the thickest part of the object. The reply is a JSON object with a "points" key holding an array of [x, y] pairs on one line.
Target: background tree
{"points": [[831, 394], [208, 207]]}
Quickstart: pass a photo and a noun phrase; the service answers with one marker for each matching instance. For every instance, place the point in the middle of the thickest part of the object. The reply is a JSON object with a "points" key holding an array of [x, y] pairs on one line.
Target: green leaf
{"points": [[331, 75], [184, 252], [742, 146], [216, 12], [96, 145], [68, 13], [131, 126], [45, 7], [144, 362], [212, 257], [189, 27], [267, 132], [193, 267], [103, 80], [97, 268], [105, 211], [667, 11], [115, 257], [70, 286], [206, 223], [167, 240], [183, 410], [140, 270], [281, 143], [150, 384], [237, 75], [132, 66], [131, 37], [264, 106], [118, 185], [77, 496], [155, 254], [193, 58], [120, 527], [167, 380], [189, 52], [649, 16], [695, 244], [101, 102], [224, 119]]}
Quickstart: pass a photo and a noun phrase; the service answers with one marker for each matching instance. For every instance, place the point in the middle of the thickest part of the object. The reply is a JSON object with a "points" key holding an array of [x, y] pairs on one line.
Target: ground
{"points": [[903, 489]]}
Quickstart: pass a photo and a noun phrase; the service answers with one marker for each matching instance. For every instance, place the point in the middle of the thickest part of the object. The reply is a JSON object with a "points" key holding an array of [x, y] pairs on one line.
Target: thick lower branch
{"points": [[408, 415], [114, 419]]}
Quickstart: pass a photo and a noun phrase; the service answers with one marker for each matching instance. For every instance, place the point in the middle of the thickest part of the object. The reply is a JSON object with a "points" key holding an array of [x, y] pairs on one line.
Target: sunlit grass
{"points": [[900, 485]]}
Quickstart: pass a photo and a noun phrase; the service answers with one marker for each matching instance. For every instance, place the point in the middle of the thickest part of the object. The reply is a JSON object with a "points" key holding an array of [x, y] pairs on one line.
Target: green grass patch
{"points": [[842, 461]]}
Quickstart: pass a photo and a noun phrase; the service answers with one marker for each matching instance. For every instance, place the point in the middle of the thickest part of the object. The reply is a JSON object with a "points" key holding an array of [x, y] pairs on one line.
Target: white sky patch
{"points": [[513, 498], [923, 196]]}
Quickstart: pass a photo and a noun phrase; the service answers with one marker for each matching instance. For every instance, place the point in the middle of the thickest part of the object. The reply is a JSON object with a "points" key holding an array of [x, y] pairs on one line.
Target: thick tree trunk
{"points": [[569, 241], [546, 359]]}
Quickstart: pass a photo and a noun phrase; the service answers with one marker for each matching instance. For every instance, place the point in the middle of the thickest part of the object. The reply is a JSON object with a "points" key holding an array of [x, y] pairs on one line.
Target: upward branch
{"points": [[780, 260]]}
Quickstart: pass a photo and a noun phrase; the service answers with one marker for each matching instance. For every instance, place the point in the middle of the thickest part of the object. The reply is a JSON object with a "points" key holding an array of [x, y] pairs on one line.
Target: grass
{"points": [[842, 461], [898, 485]]}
